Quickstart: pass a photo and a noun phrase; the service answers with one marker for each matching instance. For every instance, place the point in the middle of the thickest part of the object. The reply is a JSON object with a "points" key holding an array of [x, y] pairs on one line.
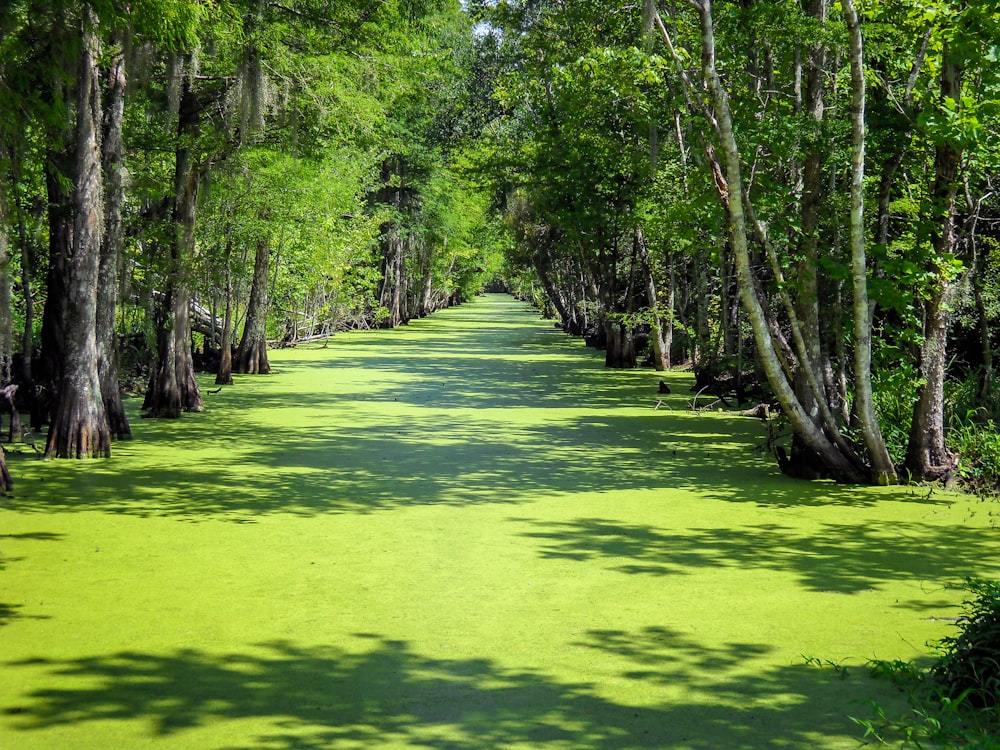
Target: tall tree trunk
{"points": [[251, 356], [619, 349], [60, 220], [173, 388], [807, 305], [661, 352], [926, 454], [27, 341], [392, 281], [6, 482], [79, 428], [225, 374], [6, 328], [107, 285], [882, 469]]}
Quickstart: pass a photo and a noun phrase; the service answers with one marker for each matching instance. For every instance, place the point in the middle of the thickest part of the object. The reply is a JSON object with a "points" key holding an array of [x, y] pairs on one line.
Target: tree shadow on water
{"points": [[842, 557], [465, 408], [390, 695]]}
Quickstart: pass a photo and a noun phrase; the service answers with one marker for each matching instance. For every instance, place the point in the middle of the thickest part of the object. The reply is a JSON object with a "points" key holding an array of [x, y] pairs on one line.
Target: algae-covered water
{"points": [[464, 533]]}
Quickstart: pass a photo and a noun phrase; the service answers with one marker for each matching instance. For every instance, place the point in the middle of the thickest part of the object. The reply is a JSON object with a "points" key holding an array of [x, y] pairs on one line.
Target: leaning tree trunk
{"points": [[173, 388], [840, 466], [926, 454], [251, 356], [107, 286], [79, 428]]}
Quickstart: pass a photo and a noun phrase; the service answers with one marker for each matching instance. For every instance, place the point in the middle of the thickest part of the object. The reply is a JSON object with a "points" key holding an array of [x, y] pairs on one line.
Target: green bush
{"points": [[978, 447], [968, 667], [894, 393], [955, 701]]}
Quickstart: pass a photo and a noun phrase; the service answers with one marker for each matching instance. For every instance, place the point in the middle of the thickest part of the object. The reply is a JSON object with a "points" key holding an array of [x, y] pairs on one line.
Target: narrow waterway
{"points": [[463, 533]]}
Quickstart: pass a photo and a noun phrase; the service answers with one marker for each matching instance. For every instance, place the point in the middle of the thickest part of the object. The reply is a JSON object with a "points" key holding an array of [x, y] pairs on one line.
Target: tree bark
{"points": [[6, 328], [883, 472], [661, 352], [60, 220], [807, 303], [173, 388], [79, 428], [251, 356], [927, 456], [107, 286], [225, 373], [27, 342]]}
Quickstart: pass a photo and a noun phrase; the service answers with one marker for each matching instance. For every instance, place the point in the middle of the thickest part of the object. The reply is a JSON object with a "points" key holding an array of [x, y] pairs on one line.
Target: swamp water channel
{"points": [[463, 533]]}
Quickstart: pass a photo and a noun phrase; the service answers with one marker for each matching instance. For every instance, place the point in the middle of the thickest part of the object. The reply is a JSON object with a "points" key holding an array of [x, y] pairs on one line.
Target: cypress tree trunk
{"points": [[27, 344], [79, 428], [6, 482], [173, 388], [661, 350], [107, 286], [807, 308], [251, 357], [6, 331], [225, 373], [60, 220]]}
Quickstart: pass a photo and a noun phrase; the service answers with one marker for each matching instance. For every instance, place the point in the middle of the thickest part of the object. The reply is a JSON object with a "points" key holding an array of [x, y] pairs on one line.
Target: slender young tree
{"points": [[883, 471]]}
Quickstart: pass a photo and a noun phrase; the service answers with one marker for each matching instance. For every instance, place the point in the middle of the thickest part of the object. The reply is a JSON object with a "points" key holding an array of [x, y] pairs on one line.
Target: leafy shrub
{"points": [[978, 447], [954, 702], [894, 393], [969, 663]]}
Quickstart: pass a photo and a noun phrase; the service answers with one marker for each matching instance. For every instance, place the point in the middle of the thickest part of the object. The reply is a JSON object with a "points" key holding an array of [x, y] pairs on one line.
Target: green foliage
{"points": [[894, 389], [968, 668], [972, 421], [954, 701]]}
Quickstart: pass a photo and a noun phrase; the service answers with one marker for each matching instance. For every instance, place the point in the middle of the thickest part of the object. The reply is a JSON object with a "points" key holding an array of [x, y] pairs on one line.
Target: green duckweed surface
{"points": [[464, 533]]}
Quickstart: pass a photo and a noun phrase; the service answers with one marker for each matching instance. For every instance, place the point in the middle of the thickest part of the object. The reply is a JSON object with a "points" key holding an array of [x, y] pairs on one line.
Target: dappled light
{"points": [[462, 533], [459, 410]]}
